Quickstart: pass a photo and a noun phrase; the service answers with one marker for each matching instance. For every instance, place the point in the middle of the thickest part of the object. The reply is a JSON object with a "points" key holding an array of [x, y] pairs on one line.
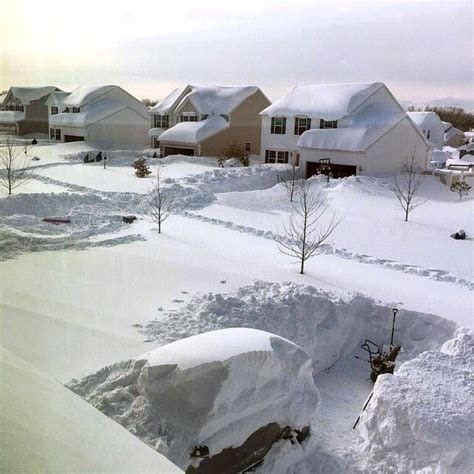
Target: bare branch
{"points": [[161, 200]]}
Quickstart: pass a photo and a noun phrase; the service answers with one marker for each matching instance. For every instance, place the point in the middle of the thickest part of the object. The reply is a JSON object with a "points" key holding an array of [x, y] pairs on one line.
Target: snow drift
{"points": [[215, 389], [422, 417], [326, 326]]}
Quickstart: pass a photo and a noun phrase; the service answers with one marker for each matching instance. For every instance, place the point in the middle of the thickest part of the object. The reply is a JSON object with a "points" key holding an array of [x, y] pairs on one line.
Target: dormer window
{"points": [[76, 110], [188, 118], [278, 126], [327, 123], [54, 110], [161, 121], [301, 125]]}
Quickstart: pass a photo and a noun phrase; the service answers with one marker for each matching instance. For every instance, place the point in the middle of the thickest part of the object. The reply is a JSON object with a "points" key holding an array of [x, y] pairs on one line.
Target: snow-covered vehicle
{"points": [[215, 402]]}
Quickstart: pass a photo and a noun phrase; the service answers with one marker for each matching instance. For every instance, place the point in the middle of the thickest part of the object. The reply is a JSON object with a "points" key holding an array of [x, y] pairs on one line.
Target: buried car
{"points": [[215, 402]]}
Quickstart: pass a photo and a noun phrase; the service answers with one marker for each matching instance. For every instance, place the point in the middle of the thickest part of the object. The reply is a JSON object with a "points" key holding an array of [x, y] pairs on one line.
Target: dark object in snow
{"points": [[98, 157], [247, 456], [363, 408], [87, 158], [459, 235], [35, 158], [57, 220], [154, 155], [129, 219], [34, 141], [382, 361]]}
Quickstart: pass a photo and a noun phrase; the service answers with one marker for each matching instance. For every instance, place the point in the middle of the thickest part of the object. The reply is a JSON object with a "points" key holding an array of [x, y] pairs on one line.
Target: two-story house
{"points": [[24, 110], [430, 125], [359, 128], [98, 113], [204, 120]]}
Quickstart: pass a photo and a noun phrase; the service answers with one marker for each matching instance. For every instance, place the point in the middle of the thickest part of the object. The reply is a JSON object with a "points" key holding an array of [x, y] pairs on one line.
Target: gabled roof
{"points": [[27, 94], [326, 101], [85, 94], [193, 132], [218, 100], [421, 118], [56, 98], [364, 129]]}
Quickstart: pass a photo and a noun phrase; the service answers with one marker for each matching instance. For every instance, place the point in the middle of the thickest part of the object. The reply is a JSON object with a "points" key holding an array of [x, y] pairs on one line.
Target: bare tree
{"points": [[291, 180], [407, 185], [161, 201], [14, 170], [304, 235]]}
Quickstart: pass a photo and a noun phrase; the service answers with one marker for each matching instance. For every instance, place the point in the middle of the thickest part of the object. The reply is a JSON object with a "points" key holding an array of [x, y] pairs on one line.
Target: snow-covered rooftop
{"points": [[326, 101], [11, 116], [26, 94], [206, 99], [364, 129], [84, 94], [56, 98], [422, 118], [193, 132]]}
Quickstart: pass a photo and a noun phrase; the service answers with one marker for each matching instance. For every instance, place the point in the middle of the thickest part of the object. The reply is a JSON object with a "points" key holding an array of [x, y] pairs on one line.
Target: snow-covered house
{"points": [[203, 120], [98, 113], [453, 136], [359, 127], [23, 110], [430, 126]]}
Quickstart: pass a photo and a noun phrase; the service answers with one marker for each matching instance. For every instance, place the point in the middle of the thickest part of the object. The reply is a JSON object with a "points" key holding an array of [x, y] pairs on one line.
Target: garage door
{"points": [[73, 138], [168, 150], [337, 171]]}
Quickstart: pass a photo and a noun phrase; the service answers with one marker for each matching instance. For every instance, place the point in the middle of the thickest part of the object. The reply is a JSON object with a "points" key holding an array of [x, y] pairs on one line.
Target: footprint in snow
{"points": [[178, 301], [185, 292], [223, 282]]}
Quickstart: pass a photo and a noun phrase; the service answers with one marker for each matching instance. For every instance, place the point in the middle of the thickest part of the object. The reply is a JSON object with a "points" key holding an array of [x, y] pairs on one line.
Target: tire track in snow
{"points": [[432, 274]]}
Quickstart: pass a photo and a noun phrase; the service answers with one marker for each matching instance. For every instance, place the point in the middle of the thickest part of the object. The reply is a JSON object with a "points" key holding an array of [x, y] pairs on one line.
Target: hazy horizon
{"points": [[421, 49]]}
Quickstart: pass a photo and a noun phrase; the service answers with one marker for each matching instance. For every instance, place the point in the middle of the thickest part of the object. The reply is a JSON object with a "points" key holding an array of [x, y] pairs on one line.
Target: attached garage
{"points": [[73, 138], [171, 150], [337, 171]]}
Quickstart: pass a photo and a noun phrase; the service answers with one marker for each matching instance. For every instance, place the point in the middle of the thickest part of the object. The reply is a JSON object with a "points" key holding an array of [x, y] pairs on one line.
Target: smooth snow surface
{"points": [[46, 428], [364, 129], [11, 117], [239, 381], [326, 101], [28, 94], [421, 419], [194, 132], [84, 94]]}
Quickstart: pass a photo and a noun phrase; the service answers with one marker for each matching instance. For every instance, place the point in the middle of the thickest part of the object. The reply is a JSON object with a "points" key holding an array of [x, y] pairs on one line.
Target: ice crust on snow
{"points": [[325, 326], [326, 101], [214, 389], [421, 419]]}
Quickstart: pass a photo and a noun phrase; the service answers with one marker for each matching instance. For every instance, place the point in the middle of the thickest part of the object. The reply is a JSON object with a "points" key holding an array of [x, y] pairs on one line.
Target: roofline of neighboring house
{"points": [[178, 99], [9, 93]]}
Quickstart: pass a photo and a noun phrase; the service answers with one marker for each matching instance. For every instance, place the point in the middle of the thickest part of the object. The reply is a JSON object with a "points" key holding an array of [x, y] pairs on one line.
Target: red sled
{"points": [[57, 220]]}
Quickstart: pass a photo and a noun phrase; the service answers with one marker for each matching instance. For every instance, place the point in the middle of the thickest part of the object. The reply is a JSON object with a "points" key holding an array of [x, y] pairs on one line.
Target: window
{"points": [[66, 110], [76, 110], [58, 134], [51, 133], [54, 111], [188, 118], [273, 156], [248, 147], [162, 121], [327, 123], [428, 134], [226, 117], [301, 125], [204, 116], [278, 126]]}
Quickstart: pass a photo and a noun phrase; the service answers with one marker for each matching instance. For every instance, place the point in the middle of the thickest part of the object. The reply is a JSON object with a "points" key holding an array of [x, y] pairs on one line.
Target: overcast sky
{"points": [[420, 49]]}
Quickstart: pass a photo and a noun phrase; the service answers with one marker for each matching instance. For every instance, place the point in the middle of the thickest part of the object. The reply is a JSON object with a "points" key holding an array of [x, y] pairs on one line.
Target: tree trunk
{"points": [[302, 266], [406, 215]]}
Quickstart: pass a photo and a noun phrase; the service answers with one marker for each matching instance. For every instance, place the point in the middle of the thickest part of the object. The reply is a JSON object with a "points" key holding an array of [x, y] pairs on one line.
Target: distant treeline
{"points": [[455, 115], [149, 102]]}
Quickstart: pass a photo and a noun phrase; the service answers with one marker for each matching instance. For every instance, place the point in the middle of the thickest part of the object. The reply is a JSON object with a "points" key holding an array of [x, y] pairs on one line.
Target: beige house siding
{"points": [[36, 118], [245, 126]]}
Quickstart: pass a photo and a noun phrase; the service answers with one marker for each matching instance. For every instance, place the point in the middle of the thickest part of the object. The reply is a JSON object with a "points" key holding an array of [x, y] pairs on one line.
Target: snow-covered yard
{"points": [[77, 297]]}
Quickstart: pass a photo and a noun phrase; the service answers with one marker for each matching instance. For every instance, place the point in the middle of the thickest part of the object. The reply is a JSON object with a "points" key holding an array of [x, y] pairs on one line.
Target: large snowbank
{"points": [[421, 419], [46, 428], [324, 325], [11, 117], [214, 389], [326, 101]]}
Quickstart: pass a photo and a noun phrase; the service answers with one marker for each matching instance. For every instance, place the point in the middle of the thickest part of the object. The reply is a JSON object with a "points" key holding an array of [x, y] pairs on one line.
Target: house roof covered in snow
{"points": [[84, 94], [192, 132], [206, 99], [27, 94], [365, 127], [326, 101], [56, 98], [2, 98]]}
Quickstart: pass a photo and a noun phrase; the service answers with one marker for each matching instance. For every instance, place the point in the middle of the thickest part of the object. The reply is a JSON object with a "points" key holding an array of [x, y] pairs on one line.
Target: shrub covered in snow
{"points": [[212, 390], [422, 417]]}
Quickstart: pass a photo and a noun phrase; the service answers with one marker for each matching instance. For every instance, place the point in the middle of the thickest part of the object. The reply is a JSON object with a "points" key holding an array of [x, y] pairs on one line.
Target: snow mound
{"points": [[422, 417], [46, 428], [215, 389], [324, 325]]}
